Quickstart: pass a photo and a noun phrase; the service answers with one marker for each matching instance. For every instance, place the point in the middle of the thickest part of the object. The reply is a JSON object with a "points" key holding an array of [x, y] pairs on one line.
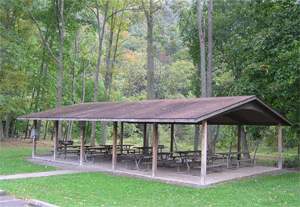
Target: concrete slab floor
{"points": [[164, 174]]}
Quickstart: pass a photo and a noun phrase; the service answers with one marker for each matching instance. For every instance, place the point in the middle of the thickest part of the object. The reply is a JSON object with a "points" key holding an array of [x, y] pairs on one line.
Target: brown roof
{"points": [[217, 110]]}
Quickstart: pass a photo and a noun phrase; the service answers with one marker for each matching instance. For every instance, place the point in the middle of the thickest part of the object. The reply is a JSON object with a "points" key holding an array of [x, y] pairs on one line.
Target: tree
{"points": [[149, 9], [101, 31], [206, 73], [255, 52], [15, 48], [272, 69]]}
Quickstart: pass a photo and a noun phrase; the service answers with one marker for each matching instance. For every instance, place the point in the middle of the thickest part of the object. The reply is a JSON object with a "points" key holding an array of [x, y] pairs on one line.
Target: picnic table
{"points": [[125, 147], [189, 152], [148, 149], [64, 146], [92, 152], [229, 156], [194, 161], [137, 158]]}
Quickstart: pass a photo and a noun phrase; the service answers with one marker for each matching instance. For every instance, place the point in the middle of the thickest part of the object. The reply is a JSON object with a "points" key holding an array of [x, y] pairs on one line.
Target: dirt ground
{"points": [[26, 143]]}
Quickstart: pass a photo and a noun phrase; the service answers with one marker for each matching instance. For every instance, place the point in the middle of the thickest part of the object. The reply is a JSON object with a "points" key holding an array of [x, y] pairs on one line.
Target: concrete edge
{"points": [[38, 203], [2, 192]]}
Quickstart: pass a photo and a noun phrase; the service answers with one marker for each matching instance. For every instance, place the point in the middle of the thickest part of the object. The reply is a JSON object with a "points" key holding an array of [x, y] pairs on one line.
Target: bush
{"points": [[291, 162]]}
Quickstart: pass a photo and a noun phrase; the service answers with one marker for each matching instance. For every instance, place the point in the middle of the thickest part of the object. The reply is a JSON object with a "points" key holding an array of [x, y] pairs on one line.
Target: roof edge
{"points": [[251, 98]]}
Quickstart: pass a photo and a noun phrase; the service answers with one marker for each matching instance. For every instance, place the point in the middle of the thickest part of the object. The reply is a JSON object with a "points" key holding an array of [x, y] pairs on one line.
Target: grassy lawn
{"points": [[101, 189], [13, 160], [98, 189]]}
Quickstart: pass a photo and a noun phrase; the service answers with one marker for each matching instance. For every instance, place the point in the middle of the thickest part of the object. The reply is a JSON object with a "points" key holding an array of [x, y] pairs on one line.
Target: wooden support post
{"points": [[122, 133], [55, 153], [154, 150], [239, 140], [172, 139], [114, 152], [34, 138], [279, 146], [82, 137], [203, 152], [145, 135]]}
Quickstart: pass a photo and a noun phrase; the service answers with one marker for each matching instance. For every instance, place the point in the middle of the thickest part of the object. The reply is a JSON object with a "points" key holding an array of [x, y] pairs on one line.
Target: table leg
{"points": [[137, 163], [227, 161]]}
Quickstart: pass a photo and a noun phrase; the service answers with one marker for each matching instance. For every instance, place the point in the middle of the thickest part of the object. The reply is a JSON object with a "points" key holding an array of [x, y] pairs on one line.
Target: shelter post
{"points": [[203, 152], [114, 154], [122, 133], [82, 137], [239, 140], [154, 155], [172, 139], [55, 153], [34, 138], [279, 146]]}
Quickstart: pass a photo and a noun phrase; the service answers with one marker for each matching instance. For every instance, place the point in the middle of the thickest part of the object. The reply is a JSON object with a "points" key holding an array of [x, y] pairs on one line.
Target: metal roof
{"points": [[247, 110]]}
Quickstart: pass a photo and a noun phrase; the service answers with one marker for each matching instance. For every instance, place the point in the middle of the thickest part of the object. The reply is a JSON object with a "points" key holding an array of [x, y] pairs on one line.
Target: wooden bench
{"points": [[251, 161], [93, 155], [67, 152], [161, 163]]}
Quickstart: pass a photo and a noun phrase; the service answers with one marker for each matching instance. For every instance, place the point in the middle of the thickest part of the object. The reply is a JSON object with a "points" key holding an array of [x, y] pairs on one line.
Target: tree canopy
{"points": [[58, 52]]}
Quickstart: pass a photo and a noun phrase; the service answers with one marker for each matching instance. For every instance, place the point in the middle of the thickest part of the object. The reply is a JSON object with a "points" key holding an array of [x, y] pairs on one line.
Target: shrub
{"points": [[291, 162]]}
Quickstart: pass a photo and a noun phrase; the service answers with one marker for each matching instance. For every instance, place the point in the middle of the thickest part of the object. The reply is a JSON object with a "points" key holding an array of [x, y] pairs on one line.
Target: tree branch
{"points": [[91, 10], [41, 33], [70, 10], [144, 8]]}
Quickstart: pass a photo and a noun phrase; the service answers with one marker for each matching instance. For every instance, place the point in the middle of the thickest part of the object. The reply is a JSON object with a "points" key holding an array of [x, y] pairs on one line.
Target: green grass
{"points": [[98, 189], [12, 161]]}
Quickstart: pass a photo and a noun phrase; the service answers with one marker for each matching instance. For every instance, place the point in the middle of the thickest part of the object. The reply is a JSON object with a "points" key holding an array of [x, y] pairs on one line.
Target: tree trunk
{"points": [[196, 138], [100, 36], [209, 50], [7, 125], [104, 126], [175, 140], [1, 129], [12, 126], [26, 130], [115, 55], [76, 45], [209, 70], [108, 72], [46, 129], [201, 35], [245, 143], [69, 130], [150, 55], [38, 130]]}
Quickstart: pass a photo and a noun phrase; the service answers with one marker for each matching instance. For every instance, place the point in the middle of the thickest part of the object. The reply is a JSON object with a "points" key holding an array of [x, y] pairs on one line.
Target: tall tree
{"points": [[149, 10], [206, 73], [62, 18], [101, 32]]}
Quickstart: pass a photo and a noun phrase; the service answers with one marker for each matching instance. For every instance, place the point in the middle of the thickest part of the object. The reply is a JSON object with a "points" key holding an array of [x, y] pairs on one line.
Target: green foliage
{"points": [[291, 162], [273, 67], [256, 52]]}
